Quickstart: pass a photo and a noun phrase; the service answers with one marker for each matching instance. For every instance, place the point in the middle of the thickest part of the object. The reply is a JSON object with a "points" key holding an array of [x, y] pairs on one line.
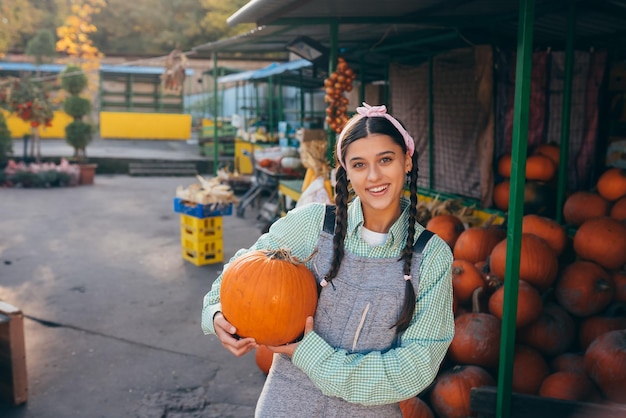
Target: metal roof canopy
{"points": [[297, 73], [411, 31]]}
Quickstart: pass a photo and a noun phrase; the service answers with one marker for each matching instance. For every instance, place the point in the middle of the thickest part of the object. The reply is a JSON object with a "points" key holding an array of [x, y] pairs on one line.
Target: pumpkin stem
{"points": [[476, 294], [285, 254]]}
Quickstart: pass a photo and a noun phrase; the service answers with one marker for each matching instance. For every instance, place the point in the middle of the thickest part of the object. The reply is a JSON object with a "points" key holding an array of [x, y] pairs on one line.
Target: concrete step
{"points": [[162, 169]]}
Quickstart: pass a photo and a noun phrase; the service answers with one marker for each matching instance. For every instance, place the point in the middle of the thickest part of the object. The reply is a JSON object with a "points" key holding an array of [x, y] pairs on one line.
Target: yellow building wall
{"points": [[135, 125], [19, 128]]}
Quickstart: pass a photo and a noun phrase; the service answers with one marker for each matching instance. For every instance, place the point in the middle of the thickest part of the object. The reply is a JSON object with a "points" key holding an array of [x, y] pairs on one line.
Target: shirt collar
{"points": [[397, 232]]}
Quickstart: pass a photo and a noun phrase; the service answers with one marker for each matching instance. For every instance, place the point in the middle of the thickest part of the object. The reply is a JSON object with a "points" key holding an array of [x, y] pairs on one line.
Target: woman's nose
{"points": [[373, 172]]}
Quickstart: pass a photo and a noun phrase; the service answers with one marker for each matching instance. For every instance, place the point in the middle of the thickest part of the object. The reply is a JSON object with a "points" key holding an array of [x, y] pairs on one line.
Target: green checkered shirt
{"points": [[374, 378]]}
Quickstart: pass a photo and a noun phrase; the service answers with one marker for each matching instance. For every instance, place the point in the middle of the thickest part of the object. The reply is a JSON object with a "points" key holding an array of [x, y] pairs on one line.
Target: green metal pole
{"points": [[431, 126], [256, 97], [513, 239], [332, 66], [270, 106], [237, 97], [302, 98], [280, 116], [567, 110], [215, 104]]}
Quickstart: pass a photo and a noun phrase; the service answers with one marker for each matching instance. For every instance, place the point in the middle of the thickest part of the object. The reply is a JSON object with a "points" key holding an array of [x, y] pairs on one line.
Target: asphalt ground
{"points": [[112, 310]]}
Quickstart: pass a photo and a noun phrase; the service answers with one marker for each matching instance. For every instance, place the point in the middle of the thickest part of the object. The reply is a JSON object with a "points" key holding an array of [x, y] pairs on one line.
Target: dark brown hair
{"points": [[356, 130]]}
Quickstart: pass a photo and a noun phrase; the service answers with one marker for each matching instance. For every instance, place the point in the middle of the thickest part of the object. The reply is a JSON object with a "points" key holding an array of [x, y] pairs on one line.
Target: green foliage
{"points": [[78, 135], [29, 101], [41, 46], [77, 106], [6, 143], [73, 79]]}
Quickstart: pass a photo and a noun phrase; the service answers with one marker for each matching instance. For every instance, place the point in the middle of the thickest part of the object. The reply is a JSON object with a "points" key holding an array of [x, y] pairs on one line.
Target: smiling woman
{"points": [[384, 282]]}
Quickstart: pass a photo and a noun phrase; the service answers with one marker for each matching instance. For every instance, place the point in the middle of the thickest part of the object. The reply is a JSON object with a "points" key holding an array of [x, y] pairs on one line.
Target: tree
{"points": [[41, 46], [6, 143], [74, 34], [16, 18], [77, 133]]}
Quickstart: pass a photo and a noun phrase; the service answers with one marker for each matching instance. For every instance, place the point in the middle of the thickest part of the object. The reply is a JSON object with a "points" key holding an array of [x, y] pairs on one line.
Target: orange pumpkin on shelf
{"points": [[529, 304], [618, 210], [612, 184], [605, 363], [504, 165], [594, 326], [529, 370], [568, 386], [568, 362], [584, 288], [450, 395], [540, 168], [447, 227], [547, 229], [538, 261], [552, 151], [583, 205], [475, 243], [501, 195], [552, 334], [465, 280], [267, 295], [602, 240], [415, 408]]}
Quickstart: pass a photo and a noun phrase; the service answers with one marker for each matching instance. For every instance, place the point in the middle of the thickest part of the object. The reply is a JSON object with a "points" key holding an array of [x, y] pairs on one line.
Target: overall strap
{"points": [[329, 219], [422, 240]]}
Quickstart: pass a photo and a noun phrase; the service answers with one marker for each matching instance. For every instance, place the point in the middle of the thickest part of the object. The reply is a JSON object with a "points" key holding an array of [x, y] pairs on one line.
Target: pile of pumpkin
{"points": [[540, 188], [338, 82], [571, 314]]}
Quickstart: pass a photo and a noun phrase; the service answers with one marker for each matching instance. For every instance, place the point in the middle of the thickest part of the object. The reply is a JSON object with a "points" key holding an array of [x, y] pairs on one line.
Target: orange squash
{"points": [[547, 229], [465, 280], [618, 210], [501, 195], [540, 168], [594, 326], [605, 363], [612, 184], [567, 385], [538, 261], [552, 334], [267, 295], [583, 205], [415, 408], [475, 243], [529, 304], [602, 240], [568, 362], [450, 396], [447, 227], [529, 370], [584, 288], [504, 165], [552, 151]]}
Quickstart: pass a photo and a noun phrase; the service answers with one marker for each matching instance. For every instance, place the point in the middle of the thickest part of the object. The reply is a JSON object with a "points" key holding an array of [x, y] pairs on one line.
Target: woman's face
{"points": [[376, 168]]}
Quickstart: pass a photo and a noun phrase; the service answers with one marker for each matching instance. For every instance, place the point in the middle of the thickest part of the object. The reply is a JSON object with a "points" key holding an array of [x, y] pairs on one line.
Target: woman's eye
{"points": [[357, 165], [385, 160]]}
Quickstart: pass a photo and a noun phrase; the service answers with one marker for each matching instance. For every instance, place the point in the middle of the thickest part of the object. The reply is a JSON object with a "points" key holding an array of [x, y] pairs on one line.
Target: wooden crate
{"points": [[483, 402], [13, 383]]}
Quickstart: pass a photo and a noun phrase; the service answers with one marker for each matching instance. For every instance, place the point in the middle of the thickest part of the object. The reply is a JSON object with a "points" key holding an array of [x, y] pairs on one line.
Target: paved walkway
{"points": [[113, 311]]}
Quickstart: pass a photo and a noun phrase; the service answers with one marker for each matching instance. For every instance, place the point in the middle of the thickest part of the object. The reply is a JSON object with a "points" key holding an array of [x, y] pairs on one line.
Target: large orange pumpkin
{"points": [[552, 333], [583, 205], [602, 240], [594, 326], [584, 288], [447, 227], [612, 184], [566, 385], [501, 195], [267, 295], [569, 362], [504, 165], [605, 363], [618, 210], [538, 261], [415, 408], [548, 229], [529, 304], [476, 340], [475, 244], [450, 396]]}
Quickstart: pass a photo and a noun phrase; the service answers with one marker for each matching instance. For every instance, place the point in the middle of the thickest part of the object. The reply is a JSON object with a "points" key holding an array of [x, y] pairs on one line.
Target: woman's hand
{"points": [[225, 331], [290, 348]]}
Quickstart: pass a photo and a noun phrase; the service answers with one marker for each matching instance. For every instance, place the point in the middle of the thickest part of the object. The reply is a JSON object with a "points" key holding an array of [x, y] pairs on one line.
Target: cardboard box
{"points": [[13, 382]]}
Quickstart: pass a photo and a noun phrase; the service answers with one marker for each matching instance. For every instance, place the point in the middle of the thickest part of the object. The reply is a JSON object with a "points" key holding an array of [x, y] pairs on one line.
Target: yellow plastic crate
{"points": [[204, 252], [200, 229]]}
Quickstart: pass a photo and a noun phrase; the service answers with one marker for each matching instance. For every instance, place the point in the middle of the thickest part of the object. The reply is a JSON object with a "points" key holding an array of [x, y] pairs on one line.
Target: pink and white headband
{"points": [[378, 111]]}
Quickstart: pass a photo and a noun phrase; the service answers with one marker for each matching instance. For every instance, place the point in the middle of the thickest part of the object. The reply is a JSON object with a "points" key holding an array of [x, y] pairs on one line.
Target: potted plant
{"points": [[78, 133]]}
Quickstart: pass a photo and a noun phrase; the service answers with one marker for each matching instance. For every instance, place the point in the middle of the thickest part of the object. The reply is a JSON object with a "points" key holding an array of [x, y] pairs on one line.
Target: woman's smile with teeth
{"points": [[378, 189]]}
